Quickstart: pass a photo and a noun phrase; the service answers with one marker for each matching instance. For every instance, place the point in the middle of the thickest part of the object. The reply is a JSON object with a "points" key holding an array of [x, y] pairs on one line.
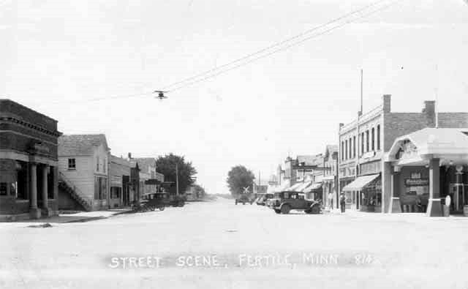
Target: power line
{"points": [[275, 44], [283, 48], [264, 52]]}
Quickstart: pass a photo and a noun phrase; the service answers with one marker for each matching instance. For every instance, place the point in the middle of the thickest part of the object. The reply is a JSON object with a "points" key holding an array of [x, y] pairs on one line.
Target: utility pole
{"points": [[177, 178], [362, 89]]}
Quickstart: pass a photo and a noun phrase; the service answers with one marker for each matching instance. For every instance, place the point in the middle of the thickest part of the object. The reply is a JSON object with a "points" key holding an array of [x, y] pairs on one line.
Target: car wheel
{"points": [[315, 209], [162, 208], [285, 209], [277, 211], [308, 211]]}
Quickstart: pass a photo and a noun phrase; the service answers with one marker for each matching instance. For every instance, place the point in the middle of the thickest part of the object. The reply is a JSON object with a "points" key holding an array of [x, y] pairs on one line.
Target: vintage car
{"points": [[284, 202], [243, 199], [262, 200], [176, 200], [151, 202]]}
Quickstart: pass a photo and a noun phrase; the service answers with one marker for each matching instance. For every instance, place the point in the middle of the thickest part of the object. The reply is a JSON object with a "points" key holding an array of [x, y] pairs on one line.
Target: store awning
{"points": [[294, 187], [303, 186], [359, 183], [312, 187]]}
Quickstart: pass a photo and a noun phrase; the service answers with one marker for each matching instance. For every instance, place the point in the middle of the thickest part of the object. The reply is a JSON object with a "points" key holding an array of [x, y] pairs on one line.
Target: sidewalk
{"points": [[79, 217]]}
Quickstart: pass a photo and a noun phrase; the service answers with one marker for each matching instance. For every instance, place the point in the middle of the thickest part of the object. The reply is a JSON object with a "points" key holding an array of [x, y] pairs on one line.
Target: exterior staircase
{"points": [[67, 186]]}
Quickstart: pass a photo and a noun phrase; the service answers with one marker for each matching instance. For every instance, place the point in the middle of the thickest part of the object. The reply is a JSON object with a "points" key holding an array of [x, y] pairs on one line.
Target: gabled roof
{"points": [[120, 161], [145, 163], [331, 149], [80, 144], [309, 160]]}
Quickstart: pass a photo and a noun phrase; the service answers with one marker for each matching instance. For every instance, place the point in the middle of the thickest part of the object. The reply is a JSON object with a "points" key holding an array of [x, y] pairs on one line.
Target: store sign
{"points": [[416, 182]]}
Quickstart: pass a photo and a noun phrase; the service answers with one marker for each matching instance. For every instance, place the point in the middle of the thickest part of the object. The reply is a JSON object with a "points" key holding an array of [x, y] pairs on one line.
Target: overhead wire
{"points": [[214, 74], [264, 52], [276, 44]]}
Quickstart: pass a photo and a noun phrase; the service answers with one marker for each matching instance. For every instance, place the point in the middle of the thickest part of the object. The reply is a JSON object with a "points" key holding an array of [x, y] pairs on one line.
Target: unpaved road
{"points": [[220, 245]]}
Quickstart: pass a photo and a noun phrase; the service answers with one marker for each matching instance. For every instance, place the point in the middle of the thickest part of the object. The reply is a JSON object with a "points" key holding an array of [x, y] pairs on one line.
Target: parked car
{"points": [[244, 198], [262, 200], [284, 202], [151, 202]]}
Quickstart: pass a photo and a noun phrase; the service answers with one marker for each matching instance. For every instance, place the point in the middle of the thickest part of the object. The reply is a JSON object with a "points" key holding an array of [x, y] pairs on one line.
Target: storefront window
{"points": [[3, 189]]}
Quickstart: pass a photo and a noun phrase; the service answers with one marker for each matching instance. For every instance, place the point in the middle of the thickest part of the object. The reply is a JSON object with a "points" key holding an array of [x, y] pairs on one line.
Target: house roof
{"points": [[145, 163], [120, 161], [80, 144], [310, 160], [332, 149]]}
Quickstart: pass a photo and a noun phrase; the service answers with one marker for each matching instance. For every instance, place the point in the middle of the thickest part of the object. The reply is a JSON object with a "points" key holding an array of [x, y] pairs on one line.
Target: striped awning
{"points": [[312, 187], [359, 183], [294, 187]]}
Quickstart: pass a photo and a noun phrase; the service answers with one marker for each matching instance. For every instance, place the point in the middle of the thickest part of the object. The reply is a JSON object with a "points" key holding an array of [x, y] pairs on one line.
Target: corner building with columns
{"points": [[28, 163], [369, 175]]}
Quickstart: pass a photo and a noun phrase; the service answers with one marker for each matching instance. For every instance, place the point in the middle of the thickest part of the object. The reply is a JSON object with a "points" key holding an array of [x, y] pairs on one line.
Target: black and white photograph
{"points": [[233, 144]]}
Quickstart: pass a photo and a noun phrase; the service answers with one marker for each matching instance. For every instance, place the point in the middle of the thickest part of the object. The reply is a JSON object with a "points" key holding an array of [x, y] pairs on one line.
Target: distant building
{"points": [[330, 176], [28, 163], [363, 143], [305, 174], [119, 175], [84, 172], [150, 180]]}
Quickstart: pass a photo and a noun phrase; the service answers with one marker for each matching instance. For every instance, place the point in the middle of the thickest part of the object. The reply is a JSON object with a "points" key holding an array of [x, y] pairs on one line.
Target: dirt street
{"points": [[221, 245]]}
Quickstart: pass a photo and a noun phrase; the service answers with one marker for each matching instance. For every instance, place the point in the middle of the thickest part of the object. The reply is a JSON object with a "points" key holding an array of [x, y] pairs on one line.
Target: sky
{"points": [[59, 57]]}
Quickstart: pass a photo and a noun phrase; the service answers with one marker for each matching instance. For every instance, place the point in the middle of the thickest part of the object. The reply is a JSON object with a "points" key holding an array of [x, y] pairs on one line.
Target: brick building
{"points": [[364, 177], [28, 163]]}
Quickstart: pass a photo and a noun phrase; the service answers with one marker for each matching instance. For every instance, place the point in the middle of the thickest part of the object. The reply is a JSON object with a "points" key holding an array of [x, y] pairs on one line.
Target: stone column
{"points": [[434, 208], [55, 174], [387, 171], [45, 189], [35, 213], [395, 205]]}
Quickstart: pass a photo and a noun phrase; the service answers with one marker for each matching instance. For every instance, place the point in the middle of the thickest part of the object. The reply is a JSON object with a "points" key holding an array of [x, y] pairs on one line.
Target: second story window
{"points": [[354, 146], [97, 164], [72, 164], [373, 139], [378, 137], [367, 140], [350, 148], [346, 149], [362, 143], [342, 150], [104, 166]]}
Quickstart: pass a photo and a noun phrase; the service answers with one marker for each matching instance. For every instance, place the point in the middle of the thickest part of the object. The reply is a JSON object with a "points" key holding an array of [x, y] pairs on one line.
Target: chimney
{"points": [[429, 111], [387, 103]]}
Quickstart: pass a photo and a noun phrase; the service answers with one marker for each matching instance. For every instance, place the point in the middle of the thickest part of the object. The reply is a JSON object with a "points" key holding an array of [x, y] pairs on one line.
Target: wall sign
{"points": [[416, 182]]}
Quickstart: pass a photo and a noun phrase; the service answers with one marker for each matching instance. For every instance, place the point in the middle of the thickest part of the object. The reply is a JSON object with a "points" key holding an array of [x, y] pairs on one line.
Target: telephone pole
{"points": [[177, 178]]}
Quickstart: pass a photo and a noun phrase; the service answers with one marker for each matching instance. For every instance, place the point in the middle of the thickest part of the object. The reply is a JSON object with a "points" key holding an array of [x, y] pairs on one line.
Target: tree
{"points": [[240, 177], [167, 164], [199, 191]]}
